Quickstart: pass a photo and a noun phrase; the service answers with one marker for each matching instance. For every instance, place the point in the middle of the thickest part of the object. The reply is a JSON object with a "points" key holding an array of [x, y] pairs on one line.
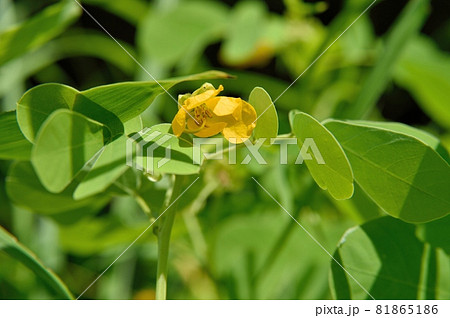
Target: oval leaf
{"points": [[267, 122], [109, 166], [404, 176], [65, 143], [334, 173], [39, 102], [423, 136]]}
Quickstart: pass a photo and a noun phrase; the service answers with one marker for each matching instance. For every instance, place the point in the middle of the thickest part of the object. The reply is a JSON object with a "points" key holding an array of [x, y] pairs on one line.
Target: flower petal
{"points": [[248, 114], [211, 128], [237, 133], [224, 106], [241, 129], [179, 122], [200, 99]]}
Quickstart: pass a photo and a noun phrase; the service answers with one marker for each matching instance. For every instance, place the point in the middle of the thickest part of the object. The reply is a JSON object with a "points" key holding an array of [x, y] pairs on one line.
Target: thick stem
{"points": [[163, 234], [163, 255]]}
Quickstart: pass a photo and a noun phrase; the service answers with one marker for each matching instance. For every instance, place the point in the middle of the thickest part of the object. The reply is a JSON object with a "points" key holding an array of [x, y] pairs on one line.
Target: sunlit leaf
{"points": [[404, 176], [267, 122], [39, 102], [334, 173], [109, 166], [65, 143], [111, 105], [423, 136]]}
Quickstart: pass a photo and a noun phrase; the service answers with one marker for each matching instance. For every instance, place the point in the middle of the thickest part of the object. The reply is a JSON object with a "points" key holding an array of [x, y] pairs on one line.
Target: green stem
{"points": [[163, 233]]}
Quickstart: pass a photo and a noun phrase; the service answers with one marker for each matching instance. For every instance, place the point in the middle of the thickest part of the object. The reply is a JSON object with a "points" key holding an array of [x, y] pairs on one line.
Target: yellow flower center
{"points": [[200, 113]]}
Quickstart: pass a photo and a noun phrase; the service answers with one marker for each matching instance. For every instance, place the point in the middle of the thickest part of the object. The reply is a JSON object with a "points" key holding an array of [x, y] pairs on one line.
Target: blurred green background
{"points": [[393, 64]]}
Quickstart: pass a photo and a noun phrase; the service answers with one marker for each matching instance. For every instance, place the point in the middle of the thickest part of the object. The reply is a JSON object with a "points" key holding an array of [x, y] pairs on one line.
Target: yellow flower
{"points": [[205, 115]]}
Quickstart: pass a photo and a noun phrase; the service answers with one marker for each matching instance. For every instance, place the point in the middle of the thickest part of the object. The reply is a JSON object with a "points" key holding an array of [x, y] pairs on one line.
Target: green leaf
{"points": [[129, 99], [109, 166], [13, 144], [335, 175], [423, 136], [267, 124], [388, 260], [181, 151], [38, 103], [24, 189], [404, 176], [425, 71], [406, 27], [65, 143], [13, 248], [111, 105], [36, 31]]}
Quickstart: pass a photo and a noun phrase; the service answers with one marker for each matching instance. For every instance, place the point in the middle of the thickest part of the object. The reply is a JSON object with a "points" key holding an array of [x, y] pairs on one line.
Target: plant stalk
{"points": [[163, 235]]}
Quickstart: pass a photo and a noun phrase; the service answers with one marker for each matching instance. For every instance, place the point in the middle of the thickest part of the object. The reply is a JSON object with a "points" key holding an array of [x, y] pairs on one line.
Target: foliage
{"points": [[71, 99]]}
